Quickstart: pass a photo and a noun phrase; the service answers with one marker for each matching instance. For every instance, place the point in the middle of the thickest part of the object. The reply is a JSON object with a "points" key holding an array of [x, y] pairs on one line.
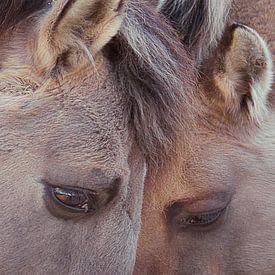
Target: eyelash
{"points": [[203, 219]]}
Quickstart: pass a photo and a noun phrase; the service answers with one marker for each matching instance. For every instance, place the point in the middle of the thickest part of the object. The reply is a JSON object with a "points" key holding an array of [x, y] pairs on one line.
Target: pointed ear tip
{"points": [[251, 38], [248, 71], [251, 53]]}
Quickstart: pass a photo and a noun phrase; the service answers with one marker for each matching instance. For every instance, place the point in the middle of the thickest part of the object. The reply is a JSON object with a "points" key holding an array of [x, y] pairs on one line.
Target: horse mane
{"points": [[153, 70], [200, 23]]}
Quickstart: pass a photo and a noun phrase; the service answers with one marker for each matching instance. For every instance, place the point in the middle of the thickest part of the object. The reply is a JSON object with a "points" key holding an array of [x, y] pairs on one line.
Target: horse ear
{"points": [[71, 24], [242, 73]]}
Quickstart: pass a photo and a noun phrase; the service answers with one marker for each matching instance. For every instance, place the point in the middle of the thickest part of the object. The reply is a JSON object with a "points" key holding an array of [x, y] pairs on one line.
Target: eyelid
{"points": [[204, 206], [204, 219], [204, 203], [184, 210]]}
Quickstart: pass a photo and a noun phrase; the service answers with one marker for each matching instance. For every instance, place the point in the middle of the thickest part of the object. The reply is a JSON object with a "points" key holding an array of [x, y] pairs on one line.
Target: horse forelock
{"points": [[158, 76]]}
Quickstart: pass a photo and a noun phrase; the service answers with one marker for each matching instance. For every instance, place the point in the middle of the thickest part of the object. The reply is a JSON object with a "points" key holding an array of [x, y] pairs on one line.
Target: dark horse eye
{"points": [[75, 199]]}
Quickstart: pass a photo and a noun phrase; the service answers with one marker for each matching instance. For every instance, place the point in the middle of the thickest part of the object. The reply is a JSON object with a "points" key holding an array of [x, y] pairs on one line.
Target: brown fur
{"points": [[12, 12], [199, 23], [155, 101], [73, 115], [259, 15], [228, 161], [143, 71]]}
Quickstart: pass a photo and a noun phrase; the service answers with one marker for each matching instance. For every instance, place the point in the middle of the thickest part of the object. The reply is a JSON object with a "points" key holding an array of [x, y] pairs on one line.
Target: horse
{"points": [[215, 213], [91, 100]]}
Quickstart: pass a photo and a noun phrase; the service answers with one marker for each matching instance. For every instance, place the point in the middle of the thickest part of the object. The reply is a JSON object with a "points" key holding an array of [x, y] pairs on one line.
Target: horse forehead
{"points": [[75, 116], [84, 89]]}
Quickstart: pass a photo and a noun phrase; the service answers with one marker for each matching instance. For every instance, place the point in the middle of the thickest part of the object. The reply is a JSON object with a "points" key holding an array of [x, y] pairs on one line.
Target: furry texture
{"points": [[76, 116], [13, 11], [91, 110], [259, 15], [200, 23], [81, 25], [153, 69], [240, 73], [227, 163]]}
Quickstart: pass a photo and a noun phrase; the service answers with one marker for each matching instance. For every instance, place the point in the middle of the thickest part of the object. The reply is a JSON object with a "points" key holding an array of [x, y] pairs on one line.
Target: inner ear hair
{"points": [[240, 71], [83, 25]]}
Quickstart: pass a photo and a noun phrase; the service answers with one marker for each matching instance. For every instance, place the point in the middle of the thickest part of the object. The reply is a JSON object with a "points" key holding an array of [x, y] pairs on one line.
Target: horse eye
{"points": [[202, 219], [74, 199]]}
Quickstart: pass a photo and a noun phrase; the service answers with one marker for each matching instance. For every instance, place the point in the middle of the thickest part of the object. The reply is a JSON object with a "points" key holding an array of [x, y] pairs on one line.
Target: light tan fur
{"points": [[244, 77], [57, 36], [259, 15], [226, 160], [89, 114]]}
